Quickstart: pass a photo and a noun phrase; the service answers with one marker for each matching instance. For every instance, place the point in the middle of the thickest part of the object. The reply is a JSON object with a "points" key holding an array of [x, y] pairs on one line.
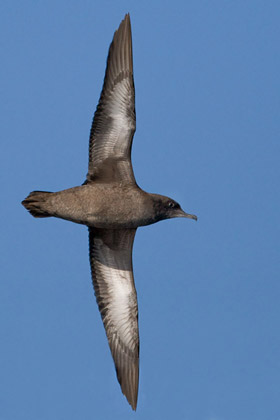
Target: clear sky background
{"points": [[208, 135]]}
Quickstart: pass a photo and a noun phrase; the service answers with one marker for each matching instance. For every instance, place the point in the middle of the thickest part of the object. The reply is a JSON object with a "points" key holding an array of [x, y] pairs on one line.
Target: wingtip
{"points": [[128, 378], [124, 27], [133, 407], [126, 20], [130, 391], [132, 403]]}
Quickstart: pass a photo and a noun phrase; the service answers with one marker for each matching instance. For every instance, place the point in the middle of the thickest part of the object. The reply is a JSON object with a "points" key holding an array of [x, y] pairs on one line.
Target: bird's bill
{"points": [[181, 213]]}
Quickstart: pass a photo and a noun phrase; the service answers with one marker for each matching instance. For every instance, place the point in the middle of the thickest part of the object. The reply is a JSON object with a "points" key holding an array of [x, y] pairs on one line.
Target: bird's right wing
{"points": [[114, 121], [111, 266]]}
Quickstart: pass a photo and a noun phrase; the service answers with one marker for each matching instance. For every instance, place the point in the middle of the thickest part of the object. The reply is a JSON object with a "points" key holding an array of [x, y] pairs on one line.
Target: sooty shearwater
{"points": [[112, 205]]}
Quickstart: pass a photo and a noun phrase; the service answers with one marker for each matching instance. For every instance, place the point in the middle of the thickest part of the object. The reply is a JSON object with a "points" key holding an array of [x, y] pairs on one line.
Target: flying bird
{"points": [[112, 206]]}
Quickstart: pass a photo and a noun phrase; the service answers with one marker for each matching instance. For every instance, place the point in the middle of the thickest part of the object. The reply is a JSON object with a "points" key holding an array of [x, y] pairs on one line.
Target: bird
{"points": [[112, 205]]}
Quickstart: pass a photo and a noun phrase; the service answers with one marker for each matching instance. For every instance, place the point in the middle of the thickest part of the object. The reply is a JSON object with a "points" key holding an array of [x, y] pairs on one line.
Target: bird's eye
{"points": [[173, 205]]}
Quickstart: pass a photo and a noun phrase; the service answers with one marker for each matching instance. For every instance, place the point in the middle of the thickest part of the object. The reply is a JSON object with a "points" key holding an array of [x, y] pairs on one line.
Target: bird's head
{"points": [[166, 208]]}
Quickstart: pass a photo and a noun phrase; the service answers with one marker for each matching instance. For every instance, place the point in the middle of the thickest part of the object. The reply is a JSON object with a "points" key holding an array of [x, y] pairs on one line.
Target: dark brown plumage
{"points": [[112, 205]]}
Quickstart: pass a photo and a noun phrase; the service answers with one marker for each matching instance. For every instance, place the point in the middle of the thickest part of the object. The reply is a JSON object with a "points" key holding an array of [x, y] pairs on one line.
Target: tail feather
{"points": [[35, 203]]}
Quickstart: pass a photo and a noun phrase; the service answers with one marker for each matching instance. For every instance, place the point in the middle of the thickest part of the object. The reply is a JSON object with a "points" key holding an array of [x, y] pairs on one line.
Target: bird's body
{"points": [[112, 205], [101, 205]]}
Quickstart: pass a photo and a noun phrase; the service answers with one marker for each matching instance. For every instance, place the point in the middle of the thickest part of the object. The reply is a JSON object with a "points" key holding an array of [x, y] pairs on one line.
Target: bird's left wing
{"points": [[111, 266]]}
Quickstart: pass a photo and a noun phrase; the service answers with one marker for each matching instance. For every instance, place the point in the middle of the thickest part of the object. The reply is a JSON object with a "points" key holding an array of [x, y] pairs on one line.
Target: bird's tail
{"points": [[36, 203]]}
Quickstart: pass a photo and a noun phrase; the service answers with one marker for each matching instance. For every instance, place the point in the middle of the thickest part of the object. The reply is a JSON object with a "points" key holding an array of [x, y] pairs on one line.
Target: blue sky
{"points": [[207, 106]]}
